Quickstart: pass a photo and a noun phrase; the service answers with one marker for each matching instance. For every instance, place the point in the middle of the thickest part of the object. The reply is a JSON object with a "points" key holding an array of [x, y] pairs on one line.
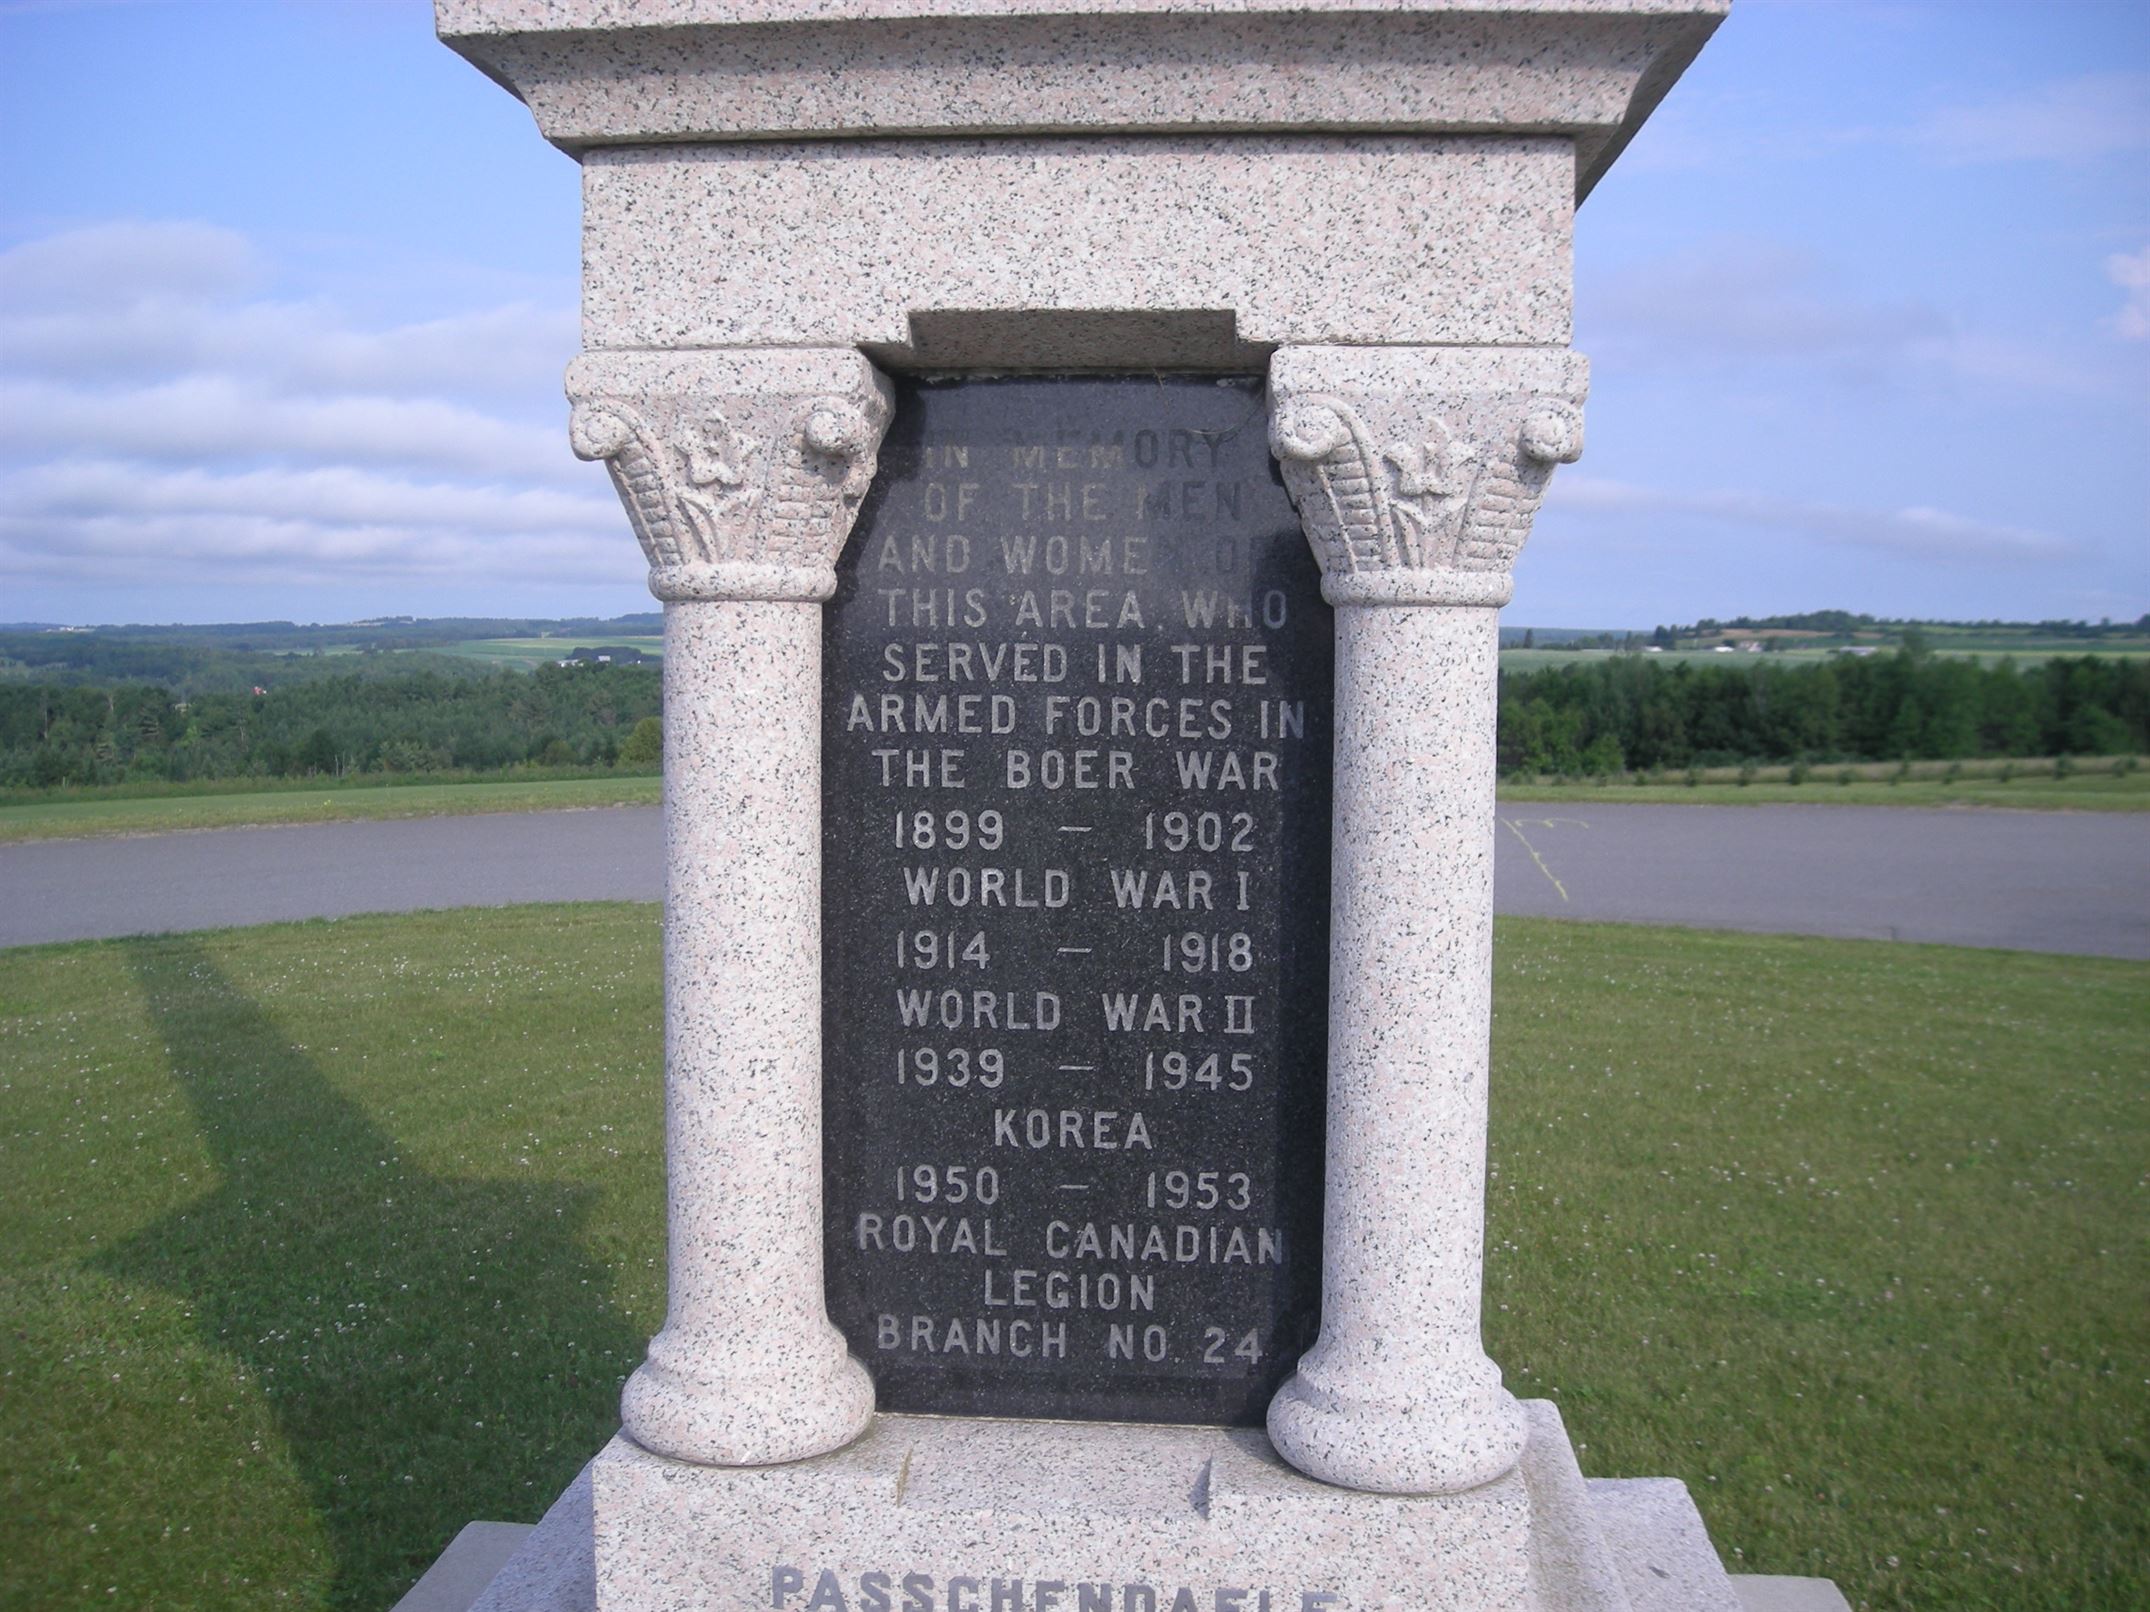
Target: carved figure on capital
{"points": [[734, 489], [1432, 466]]}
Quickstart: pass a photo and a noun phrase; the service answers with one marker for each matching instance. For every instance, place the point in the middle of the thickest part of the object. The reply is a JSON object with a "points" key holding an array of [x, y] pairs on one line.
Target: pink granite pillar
{"points": [[741, 471], [1417, 472]]}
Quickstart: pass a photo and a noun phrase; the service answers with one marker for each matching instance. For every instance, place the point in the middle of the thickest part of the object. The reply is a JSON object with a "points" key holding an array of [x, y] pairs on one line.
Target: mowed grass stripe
{"points": [[2096, 788], [176, 813], [323, 1239], [170, 814]]}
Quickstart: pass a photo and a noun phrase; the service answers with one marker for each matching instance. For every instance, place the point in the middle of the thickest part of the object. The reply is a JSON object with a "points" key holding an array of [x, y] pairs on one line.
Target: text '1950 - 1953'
{"points": [[1076, 834]]}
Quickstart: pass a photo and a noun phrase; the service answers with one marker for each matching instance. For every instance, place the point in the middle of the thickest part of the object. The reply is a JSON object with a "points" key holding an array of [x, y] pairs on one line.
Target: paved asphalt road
{"points": [[2041, 881], [2033, 881]]}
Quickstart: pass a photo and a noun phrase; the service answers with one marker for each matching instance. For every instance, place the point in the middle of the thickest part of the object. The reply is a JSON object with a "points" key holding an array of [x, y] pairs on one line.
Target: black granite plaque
{"points": [[1076, 797]]}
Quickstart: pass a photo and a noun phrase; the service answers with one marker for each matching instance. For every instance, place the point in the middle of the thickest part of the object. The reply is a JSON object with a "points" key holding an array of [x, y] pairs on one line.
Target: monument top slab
{"points": [[600, 73]]}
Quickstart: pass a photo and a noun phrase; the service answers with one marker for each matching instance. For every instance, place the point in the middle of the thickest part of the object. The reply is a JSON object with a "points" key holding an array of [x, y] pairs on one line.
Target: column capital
{"points": [[741, 468], [1417, 471]]}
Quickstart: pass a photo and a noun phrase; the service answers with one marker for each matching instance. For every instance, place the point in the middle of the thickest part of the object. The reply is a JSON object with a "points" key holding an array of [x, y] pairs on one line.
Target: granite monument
{"points": [[1082, 447]]}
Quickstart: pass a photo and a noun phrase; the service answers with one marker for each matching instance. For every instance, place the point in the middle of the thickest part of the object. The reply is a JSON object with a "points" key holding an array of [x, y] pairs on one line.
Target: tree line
{"points": [[1847, 622], [235, 656], [1604, 716], [1629, 713], [331, 726]]}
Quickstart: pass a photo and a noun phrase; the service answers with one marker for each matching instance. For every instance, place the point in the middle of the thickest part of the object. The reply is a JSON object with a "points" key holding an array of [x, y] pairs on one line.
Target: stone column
{"points": [[741, 471], [1417, 472]]}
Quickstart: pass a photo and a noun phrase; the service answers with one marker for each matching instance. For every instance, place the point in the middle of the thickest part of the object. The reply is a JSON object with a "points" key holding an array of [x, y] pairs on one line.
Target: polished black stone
{"points": [[1076, 802]]}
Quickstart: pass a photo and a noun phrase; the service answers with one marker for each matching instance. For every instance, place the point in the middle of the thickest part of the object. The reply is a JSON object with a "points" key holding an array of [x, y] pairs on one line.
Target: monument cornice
{"points": [[599, 73]]}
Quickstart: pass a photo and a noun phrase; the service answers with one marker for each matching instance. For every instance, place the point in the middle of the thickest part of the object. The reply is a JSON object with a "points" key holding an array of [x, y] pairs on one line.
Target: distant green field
{"points": [[1987, 640], [320, 1240], [1531, 660], [527, 653], [79, 819]]}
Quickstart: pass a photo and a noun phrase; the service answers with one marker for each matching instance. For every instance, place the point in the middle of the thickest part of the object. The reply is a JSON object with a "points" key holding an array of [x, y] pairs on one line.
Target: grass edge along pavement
{"points": [[2086, 786], [174, 814], [322, 1239], [2072, 783]]}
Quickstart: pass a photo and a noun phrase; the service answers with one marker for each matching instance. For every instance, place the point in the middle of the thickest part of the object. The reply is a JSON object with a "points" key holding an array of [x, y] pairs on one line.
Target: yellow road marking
{"points": [[1515, 827]]}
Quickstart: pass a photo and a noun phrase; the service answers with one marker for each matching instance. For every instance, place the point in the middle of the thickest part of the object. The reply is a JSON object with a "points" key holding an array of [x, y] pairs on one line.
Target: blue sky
{"points": [[286, 292]]}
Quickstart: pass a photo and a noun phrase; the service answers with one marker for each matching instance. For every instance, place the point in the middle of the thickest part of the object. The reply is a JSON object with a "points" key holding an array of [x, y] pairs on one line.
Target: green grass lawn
{"points": [[166, 814], [320, 1240]]}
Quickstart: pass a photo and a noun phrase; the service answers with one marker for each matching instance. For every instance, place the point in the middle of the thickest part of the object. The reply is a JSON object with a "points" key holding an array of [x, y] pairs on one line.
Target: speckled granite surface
{"points": [[1381, 193], [610, 72], [949, 1514], [741, 473], [1659, 1545], [1308, 239], [741, 470], [1417, 472]]}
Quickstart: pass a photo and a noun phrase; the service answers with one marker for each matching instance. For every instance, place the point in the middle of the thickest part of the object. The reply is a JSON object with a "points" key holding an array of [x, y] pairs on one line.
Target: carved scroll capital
{"points": [[741, 468], [1417, 471]]}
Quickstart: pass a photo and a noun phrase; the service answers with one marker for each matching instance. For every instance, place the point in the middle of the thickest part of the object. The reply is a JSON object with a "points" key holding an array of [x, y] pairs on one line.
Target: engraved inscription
{"points": [[1076, 805], [796, 1589]]}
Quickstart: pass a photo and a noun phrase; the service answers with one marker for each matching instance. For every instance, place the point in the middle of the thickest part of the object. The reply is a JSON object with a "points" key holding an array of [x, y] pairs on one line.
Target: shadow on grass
{"points": [[433, 1350]]}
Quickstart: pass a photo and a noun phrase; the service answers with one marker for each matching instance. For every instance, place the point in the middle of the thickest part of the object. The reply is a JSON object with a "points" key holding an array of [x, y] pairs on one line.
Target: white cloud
{"points": [[163, 419], [2131, 272], [2065, 120], [1697, 133], [334, 495], [2071, 120], [213, 418], [115, 521], [137, 302], [1917, 533], [1736, 298], [514, 350], [191, 549], [106, 265], [1736, 302]]}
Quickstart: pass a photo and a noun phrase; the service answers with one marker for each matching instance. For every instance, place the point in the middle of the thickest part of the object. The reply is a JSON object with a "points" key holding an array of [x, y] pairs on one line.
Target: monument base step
{"points": [[1172, 1519]]}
